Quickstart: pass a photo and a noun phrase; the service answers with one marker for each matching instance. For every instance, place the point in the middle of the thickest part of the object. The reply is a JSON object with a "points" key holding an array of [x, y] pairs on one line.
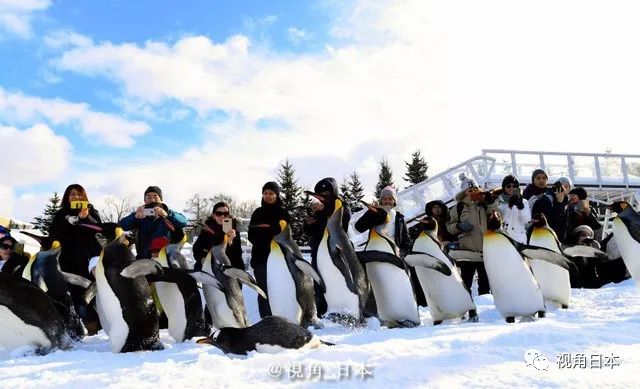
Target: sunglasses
{"points": [[220, 213], [511, 186], [5, 246]]}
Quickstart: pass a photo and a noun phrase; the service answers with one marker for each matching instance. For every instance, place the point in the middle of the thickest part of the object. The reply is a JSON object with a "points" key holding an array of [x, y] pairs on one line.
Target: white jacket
{"points": [[514, 220]]}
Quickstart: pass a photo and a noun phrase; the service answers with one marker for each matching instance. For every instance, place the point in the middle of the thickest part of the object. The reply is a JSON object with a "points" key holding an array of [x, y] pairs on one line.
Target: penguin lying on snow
{"points": [[263, 336], [28, 317]]}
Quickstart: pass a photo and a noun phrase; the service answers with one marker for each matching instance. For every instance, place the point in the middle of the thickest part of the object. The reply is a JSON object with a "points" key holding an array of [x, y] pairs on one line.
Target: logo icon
{"points": [[535, 358]]}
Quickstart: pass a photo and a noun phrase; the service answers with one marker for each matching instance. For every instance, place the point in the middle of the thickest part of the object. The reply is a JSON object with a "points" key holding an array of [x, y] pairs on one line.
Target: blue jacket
{"points": [[150, 228]]}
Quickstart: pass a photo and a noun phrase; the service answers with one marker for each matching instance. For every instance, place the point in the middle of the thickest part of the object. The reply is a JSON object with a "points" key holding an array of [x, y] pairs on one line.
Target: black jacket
{"points": [[15, 264], [261, 237], [372, 219], [572, 218], [78, 243], [205, 242]]}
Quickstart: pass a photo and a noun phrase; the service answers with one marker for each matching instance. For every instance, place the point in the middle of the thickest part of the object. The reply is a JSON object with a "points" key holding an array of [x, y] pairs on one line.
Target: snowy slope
{"points": [[604, 322]]}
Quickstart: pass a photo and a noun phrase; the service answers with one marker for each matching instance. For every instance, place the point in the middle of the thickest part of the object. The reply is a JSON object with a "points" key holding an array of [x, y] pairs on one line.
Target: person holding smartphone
{"points": [[468, 219], [78, 245], [578, 212], [220, 222], [153, 219]]}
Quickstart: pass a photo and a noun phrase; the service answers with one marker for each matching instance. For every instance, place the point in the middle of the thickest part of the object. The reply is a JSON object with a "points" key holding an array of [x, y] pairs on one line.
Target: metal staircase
{"points": [[606, 177]]}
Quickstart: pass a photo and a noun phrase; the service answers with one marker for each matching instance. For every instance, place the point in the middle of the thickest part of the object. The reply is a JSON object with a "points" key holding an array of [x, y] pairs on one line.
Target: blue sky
{"points": [[210, 96]]}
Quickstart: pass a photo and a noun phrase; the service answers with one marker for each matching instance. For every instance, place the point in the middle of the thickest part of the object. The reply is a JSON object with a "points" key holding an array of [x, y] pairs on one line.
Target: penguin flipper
{"points": [[417, 258], [90, 292], [585, 251], [141, 267], [245, 278], [341, 263], [204, 278], [546, 255], [75, 279], [178, 261], [306, 268], [370, 256]]}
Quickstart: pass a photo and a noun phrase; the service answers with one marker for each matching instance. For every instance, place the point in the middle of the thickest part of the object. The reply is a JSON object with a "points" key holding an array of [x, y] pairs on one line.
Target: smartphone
{"points": [[79, 204], [227, 224], [453, 245], [149, 212]]}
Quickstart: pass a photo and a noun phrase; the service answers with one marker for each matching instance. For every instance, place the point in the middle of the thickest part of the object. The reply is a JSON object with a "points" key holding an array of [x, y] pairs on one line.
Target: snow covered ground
{"points": [[594, 343]]}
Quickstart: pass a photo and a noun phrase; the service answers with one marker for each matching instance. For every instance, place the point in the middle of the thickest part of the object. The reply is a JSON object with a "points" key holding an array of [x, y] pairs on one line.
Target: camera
{"points": [[453, 245], [477, 196], [227, 224], [79, 204], [149, 212]]}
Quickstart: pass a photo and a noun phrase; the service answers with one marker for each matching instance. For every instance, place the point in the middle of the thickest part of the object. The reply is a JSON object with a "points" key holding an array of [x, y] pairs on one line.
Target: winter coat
{"points": [[151, 227], [78, 244], [261, 237], [532, 190], [400, 236], [548, 204], [205, 242], [572, 218], [474, 213], [443, 234], [514, 220]]}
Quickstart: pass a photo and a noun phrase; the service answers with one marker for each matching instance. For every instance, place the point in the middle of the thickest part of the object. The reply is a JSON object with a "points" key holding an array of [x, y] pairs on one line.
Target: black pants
{"points": [[468, 269], [260, 273]]}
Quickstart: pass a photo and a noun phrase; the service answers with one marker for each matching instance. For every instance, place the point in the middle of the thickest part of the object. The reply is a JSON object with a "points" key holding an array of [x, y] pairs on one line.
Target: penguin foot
{"points": [[473, 319], [510, 319], [316, 324], [437, 322], [564, 306], [345, 320], [408, 324], [541, 314], [205, 340]]}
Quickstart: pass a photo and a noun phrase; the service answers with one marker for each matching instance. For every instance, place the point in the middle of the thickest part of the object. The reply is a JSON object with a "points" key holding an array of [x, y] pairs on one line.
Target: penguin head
{"points": [[619, 206], [539, 220], [428, 223], [283, 225]]}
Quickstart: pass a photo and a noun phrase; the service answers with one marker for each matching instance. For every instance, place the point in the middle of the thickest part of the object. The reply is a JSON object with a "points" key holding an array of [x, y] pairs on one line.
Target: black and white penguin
{"points": [[44, 270], [290, 280], [389, 277], [226, 301], [268, 335], [29, 317], [626, 232], [446, 295], [346, 285], [124, 303]]}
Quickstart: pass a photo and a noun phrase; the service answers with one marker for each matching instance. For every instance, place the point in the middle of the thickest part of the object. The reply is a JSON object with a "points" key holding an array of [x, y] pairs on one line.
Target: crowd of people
{"points": [[565, 208]]}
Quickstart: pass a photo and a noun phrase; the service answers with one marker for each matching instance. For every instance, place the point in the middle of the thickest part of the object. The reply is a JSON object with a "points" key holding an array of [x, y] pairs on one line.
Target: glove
{"points": [[72, 219], [517, 201], [464, 226], [488, 198]]}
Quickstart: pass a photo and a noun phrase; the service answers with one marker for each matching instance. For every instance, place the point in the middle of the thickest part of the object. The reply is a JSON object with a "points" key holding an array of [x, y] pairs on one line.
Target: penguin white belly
{"points": [[338, 296], [173, 305], [393, 292], [14, 332], [221, 314], [118, 328], [554, 281], [101, 314], [515, 291], [446, 296], [281, 288], [628, 247]]}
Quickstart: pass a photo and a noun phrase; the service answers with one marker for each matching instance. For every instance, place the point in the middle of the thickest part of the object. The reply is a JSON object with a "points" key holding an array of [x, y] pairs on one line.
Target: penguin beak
{"points": [[370, 206], [315, 195], [90, 226]]}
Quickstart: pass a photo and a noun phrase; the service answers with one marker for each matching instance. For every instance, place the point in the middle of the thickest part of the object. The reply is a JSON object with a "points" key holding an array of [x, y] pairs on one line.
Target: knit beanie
{"points": [[510, 179], [155, 190], [566, 180], [389, 191], [581, 192], [467, 182], [272, 186], [536, 172]]}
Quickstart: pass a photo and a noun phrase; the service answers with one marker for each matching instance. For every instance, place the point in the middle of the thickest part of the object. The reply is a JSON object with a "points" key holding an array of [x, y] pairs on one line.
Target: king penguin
{"points": [[389, 276], [446, 295], [290, 281], [626, 232], [346, 285]]}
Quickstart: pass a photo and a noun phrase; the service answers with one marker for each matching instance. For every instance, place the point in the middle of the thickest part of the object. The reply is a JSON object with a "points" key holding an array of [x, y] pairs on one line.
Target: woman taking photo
{"points": [[214, 226]]}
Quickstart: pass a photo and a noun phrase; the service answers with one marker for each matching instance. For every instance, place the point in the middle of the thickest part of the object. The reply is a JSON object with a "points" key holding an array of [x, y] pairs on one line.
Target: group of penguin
{"points": [[36, 307]]}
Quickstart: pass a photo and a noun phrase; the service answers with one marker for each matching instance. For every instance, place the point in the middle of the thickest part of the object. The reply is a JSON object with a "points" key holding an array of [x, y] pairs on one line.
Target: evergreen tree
{"points": [[416, 169], [290, 194], [43, 223], [345, 192], [356, 192], [385, 177], [306, 209]]}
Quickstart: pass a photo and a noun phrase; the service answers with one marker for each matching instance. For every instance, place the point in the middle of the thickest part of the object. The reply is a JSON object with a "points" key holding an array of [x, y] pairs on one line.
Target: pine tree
{"points": [[290, 194], [416, 169], [305, 207], [356, 192], [385, 177], [43, 223], [345, 193]]}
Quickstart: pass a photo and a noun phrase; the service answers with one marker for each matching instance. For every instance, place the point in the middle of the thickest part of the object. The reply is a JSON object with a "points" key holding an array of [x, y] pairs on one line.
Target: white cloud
{"points": [[297, 35], [448, 78], [101, 127], [16, 15]]}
